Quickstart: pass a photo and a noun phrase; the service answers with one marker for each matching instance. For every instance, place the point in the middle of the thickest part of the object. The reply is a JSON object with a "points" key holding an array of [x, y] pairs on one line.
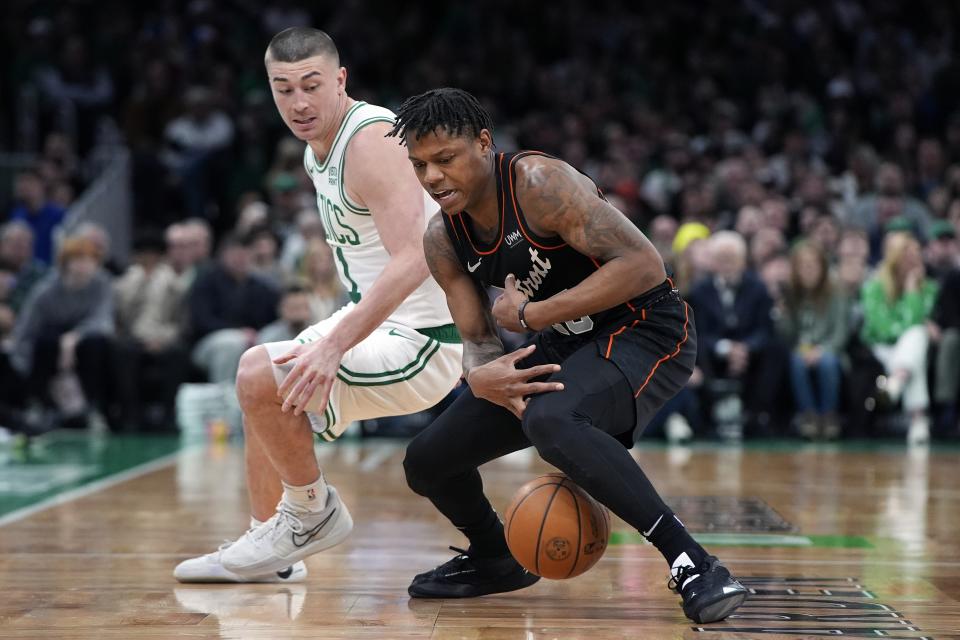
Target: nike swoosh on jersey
{"points": [[473, 267], [309, 535], [393, 332]]}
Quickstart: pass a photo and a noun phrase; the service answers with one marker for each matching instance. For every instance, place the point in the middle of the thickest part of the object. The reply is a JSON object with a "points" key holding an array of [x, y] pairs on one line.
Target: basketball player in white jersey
{"points": [[392, 350]]}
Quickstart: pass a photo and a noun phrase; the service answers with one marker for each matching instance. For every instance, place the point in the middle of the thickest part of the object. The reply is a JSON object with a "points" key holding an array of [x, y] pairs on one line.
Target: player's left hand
{"points": [[506, 305], [315, 370]]}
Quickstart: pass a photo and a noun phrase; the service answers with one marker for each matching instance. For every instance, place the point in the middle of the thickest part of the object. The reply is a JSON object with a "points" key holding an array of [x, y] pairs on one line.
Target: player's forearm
{"points": [[401, 277], [614, 283], [479, 351]]}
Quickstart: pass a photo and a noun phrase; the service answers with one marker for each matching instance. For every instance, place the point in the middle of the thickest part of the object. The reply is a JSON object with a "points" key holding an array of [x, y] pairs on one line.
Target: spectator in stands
{"points": [[8, 317], [766, 243], [264, 255], [944, 331], [66, 327], [196, 143], [853, 253], [295, 316], [309, 227], [896, 304], [814, 326], [150, 304], [325, 292], [228, 305], [35, 208], [77, 91], [736, 340], [662, 231], [97, 234], [199, 239], [16, 253], [942, 253], [691, 256], [889, 200]]}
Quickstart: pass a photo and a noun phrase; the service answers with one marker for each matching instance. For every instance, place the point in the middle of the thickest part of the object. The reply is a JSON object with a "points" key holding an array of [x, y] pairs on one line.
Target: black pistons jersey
{"points": [[650, 338], [543, 266]]}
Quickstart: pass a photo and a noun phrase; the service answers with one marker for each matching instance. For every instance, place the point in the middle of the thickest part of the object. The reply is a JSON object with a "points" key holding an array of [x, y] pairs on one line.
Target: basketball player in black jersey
{"points": [[613, 342]]}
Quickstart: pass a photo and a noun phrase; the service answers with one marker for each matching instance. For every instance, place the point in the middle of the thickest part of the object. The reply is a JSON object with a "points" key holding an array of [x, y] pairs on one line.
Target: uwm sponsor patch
{"points": [[813, 607]]}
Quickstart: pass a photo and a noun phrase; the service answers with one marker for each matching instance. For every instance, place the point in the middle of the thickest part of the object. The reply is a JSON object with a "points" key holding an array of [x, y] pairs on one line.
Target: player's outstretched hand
{"points": [[501, 382], [314, 370]]}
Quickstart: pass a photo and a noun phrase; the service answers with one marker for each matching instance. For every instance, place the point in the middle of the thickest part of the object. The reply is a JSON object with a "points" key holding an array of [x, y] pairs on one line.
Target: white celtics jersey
{"points": [[358, 251]]}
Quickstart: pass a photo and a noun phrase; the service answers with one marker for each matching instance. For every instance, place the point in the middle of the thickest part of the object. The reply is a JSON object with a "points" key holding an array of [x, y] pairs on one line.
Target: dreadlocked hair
{"points": [[452, 110]]}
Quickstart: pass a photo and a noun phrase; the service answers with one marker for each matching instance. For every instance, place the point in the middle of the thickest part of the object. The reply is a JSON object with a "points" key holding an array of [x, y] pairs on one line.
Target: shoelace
{"points": [[226, 543], [455, 562], [681, 574], [285, 517]]}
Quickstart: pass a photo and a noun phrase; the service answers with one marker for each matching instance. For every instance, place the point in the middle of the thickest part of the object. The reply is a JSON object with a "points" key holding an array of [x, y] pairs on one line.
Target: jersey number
{"points": [[576, 327]]}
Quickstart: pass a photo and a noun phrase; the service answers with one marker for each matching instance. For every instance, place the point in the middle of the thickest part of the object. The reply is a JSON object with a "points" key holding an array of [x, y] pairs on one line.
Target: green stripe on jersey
{"points": [[354, 292], [355, 208], [445, 333]]}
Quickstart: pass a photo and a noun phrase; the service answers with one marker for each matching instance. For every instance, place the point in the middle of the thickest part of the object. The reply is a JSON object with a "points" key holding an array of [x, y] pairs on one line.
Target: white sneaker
{"points": [[288, 537], [208, 568]]}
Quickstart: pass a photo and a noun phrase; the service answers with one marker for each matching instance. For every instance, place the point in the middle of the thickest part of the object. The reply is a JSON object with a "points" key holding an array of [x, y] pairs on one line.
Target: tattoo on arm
{"points": [[479, 352], [467, 301], [437, 249], [565, 202]]}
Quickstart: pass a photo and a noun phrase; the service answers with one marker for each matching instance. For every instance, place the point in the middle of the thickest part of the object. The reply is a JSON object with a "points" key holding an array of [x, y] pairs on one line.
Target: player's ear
{"points": [[486, 140]]}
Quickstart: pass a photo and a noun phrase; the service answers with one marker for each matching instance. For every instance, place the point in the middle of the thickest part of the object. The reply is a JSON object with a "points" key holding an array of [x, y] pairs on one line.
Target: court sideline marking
{"points": [[95, 486]]}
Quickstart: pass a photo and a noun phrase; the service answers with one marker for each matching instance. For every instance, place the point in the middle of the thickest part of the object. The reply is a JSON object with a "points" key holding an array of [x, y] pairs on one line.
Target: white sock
{"points": [[254, 522], [310, 497]]}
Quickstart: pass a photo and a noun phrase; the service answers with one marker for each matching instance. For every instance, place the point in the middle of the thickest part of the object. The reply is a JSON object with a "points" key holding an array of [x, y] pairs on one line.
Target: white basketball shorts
{"points": [[394, 371]]}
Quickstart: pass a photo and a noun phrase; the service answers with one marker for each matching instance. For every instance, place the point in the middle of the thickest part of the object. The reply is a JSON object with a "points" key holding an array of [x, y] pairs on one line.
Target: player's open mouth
{"points": [[443, 196], [304, 122]]}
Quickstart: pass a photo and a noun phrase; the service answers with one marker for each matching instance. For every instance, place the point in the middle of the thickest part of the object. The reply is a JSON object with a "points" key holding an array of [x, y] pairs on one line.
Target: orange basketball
{"points": [[555, 529]]}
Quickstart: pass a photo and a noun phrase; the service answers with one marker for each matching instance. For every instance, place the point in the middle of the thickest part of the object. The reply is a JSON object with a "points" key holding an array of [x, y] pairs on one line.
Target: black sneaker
{"points": [[709, 592], [466, 576]]}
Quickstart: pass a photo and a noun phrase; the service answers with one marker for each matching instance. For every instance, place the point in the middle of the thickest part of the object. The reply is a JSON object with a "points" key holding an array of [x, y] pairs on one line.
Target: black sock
{"points": [[486, 537], [671, 538]]}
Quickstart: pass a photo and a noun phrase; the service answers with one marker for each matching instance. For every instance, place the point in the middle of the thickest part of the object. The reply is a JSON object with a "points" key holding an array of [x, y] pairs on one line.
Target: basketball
{"points": [[555, 529]]}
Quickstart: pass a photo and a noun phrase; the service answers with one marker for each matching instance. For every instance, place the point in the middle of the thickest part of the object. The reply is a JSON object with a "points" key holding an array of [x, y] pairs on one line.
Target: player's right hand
{"points": [[314, 370], [501, 382]]}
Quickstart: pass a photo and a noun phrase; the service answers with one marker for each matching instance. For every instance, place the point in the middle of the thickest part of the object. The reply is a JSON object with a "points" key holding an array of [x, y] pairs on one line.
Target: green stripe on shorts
{"points": [[395, 375]]}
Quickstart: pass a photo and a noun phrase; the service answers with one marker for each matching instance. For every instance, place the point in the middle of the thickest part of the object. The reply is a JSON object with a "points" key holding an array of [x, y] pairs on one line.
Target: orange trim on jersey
{"points": [[686, 334], [614, 335], [516, 209], [643, 313], [454, 227], [503, 211]]}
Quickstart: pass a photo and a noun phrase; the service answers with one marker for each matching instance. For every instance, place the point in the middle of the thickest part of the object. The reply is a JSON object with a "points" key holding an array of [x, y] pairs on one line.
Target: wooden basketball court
{"points": [[833, 540]]}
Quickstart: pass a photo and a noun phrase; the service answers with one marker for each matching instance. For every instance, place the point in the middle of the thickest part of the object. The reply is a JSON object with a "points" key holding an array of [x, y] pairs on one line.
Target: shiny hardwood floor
{"points": [[833, 541]]}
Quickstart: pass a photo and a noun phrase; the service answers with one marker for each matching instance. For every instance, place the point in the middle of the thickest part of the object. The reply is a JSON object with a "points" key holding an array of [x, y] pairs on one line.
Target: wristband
{"points": [[523, 322]]}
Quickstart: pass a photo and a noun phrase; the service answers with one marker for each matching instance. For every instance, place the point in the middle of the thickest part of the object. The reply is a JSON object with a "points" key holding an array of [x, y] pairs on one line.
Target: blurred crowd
{"points": [[796, 163]]}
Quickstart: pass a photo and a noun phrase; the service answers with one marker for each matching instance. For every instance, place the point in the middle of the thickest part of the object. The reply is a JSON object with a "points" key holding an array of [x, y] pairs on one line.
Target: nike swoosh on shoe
{"points": [[309, 535]]}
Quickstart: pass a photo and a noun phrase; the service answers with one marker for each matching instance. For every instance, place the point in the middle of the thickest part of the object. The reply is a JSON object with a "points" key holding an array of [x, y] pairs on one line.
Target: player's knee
{"points": [[416, 466], [551, 428], [255, 381]]}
